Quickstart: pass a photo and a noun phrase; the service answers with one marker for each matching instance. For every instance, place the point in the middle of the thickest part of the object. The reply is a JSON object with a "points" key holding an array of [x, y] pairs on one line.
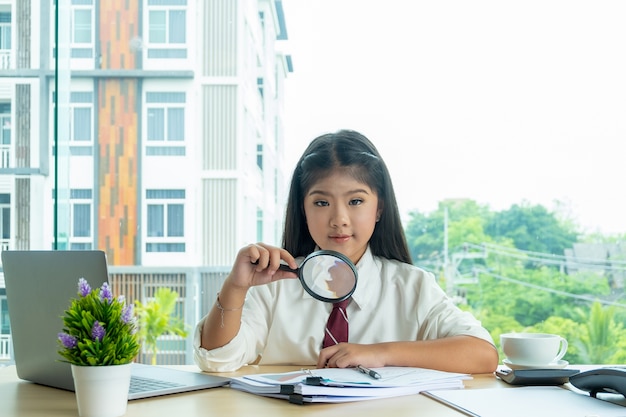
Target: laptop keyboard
{"points": [[139, 384]]}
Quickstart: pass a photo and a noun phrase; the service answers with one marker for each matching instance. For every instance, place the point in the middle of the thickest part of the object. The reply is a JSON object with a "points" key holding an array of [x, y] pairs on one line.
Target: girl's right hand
{"points": [[257, 264]]}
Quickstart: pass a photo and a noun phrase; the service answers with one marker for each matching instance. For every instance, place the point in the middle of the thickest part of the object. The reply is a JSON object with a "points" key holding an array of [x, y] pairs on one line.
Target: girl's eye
{"points": [[321, 203], [355, 201]]}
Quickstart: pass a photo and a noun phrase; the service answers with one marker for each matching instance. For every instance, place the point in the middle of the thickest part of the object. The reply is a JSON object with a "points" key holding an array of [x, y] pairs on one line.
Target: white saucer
{"points": [[554, 365]]}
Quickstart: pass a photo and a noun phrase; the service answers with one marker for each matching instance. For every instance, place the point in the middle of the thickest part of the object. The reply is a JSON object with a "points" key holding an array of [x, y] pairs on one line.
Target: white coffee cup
{"points": [[533, 349]]}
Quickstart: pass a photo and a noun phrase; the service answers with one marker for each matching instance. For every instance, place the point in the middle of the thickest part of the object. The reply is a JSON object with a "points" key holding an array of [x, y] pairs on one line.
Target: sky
{"points": [[499, 101]]}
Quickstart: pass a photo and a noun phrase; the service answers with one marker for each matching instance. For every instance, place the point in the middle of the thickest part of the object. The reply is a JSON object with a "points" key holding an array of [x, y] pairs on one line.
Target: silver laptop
{"points": [[39, 287]]}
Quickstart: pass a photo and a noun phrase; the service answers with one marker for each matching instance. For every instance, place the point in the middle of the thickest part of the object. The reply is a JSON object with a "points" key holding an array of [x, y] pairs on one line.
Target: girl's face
{"points": [[341, 214]]}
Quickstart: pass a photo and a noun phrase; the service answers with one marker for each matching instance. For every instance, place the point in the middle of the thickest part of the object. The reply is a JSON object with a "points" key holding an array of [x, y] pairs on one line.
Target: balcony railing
{"points": [[5, 347], [5, 156], [5, 59]]}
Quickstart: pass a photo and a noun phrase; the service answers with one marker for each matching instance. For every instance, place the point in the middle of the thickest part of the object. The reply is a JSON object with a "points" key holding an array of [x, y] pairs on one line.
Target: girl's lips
{"points": [[340, 238]]}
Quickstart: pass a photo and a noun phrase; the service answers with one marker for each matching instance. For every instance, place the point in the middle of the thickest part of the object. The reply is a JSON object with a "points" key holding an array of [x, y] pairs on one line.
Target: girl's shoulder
{"points": [[398, 268]]}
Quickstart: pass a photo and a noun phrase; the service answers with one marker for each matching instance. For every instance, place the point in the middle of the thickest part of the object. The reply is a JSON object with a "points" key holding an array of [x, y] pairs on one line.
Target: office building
{"points": [[156, 136]]}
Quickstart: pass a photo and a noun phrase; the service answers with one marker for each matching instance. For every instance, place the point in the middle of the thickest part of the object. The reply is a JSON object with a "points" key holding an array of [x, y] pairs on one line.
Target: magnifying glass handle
{"points": [[282, 267]]}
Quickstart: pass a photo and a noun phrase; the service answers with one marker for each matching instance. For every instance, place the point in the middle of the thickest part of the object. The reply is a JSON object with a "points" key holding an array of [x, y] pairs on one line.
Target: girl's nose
{"points": [[339, 217]]}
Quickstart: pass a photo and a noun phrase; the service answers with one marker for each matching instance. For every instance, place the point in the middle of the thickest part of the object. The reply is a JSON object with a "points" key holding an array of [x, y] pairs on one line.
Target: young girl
{"points": [[341, 198]]}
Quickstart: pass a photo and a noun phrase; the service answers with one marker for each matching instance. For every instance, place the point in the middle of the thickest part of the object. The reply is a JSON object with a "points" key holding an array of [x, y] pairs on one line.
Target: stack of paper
{"points": [[347, 384]]}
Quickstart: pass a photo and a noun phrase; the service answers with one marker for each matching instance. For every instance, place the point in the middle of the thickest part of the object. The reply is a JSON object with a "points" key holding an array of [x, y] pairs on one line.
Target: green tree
{"points": [[599, 341], [425, 232], [158, 317], [525, 289], [532, 228]]}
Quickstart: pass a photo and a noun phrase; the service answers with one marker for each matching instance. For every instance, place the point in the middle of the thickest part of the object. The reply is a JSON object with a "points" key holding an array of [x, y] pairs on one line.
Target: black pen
{"points": [[368, 371]]}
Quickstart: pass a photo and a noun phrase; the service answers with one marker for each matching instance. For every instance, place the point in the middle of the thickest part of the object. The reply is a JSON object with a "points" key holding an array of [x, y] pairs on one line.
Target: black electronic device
{"points": [[609, 379], [536, 376]]}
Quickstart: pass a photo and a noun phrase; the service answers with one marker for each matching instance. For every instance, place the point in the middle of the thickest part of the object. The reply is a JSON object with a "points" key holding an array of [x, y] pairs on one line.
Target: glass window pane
{"points": [[176, 124], [82, 124], [5, 36], [155, 220], [156, 124], [82, 26], [6, 223], [177, 26], [4, 316], [82, 220], [156, 22], [175, 220], [5, 130], [80, 246]]}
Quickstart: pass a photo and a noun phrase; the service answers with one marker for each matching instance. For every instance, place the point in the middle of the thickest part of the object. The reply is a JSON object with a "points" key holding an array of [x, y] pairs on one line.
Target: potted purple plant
{"points": [[100, 341]]}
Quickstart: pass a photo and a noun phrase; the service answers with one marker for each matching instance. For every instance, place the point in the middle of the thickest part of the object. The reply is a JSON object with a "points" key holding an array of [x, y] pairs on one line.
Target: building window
{"points": [[5, 135], [5, 40], [82, 24], [259, 156], [260, 84], [167, 29], [5, 221], [165, 124], [81, 203], [166, 220], [81, 123], [5, 31], [259, 225], [4, 323]]}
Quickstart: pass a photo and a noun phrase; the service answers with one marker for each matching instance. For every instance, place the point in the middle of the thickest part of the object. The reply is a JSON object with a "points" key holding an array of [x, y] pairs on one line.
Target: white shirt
{"points": [[393, 301]]}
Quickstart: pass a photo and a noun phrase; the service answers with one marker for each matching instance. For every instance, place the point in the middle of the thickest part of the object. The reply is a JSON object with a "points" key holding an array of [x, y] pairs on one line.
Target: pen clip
{"points": [[368, 371]]}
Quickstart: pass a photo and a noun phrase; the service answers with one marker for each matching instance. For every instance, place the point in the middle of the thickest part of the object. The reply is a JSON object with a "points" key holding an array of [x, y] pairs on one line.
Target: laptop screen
{"points": [[39, 286]]}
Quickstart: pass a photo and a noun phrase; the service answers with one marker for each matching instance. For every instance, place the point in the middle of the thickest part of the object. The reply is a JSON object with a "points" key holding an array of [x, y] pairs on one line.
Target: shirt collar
{"points": [[368, 281]]}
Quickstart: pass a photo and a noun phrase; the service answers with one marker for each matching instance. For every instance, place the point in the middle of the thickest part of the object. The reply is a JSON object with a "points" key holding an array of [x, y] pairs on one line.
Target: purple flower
{"points": [[68, 341], [83, 287], [105, 293], [97, 331], [127, 314]]}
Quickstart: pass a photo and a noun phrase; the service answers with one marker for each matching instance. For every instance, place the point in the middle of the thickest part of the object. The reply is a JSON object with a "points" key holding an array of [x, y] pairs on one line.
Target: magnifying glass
{"points": [[326, 275]]}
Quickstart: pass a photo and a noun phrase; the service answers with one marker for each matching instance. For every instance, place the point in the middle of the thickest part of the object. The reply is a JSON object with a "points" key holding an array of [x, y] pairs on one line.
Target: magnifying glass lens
{"points": [[328, 276]]}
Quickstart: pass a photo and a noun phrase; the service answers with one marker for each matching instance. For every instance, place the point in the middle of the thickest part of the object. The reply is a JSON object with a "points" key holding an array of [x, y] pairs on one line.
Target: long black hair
{"points": [[350, 151]]}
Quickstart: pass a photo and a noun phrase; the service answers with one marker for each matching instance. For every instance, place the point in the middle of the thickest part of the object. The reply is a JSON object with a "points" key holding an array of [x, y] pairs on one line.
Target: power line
{"points": [[550, 259], [546, 289]]}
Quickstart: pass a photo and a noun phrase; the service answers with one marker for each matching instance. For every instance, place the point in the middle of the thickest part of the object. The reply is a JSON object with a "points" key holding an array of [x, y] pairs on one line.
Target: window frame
{"points": [[80, 49], [5, 208], [6, 34], [167, 199], [169, 48], [81, 197], [79, 146], [6, 149], [167, 102]]}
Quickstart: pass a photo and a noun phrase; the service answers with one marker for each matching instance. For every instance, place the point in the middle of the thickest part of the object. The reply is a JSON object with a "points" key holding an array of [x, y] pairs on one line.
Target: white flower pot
{"points": [[101, 391]]}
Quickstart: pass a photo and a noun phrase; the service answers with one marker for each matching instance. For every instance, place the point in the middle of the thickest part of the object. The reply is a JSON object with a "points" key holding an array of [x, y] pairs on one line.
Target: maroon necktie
{"points": [[337, 325]]}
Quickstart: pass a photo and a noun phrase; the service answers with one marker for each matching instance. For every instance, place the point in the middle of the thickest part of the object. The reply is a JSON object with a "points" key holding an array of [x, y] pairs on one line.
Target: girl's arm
{"points": [[255, 265], [464, 354], [223, 321]]}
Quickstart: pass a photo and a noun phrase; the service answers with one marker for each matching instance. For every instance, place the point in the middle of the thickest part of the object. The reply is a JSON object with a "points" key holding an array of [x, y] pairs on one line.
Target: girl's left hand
{"points": [[346, 355]]}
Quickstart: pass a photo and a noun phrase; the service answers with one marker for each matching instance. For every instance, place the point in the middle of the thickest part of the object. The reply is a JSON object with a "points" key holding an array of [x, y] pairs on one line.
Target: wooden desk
{"points": [[25, 399]]}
